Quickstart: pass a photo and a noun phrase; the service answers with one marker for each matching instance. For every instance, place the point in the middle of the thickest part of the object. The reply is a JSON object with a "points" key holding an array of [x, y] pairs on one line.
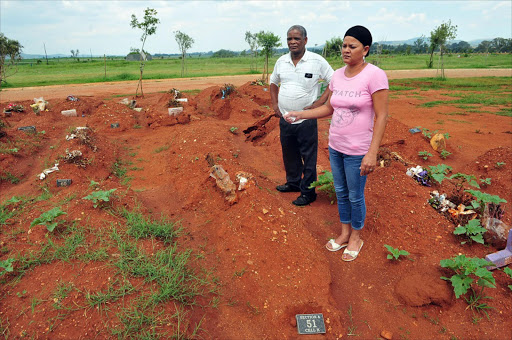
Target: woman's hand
{"points": [[292, 116], [368, 164]]}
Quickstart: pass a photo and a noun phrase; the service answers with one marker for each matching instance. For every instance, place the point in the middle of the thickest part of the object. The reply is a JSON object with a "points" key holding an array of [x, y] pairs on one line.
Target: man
{"points": [[294, 87]]}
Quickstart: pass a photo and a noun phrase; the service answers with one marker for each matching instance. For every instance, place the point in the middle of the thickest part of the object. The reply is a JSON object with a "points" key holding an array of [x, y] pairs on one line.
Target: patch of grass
{"points": [[9, 177], [140, 226], [434, 103], [162, 148]]}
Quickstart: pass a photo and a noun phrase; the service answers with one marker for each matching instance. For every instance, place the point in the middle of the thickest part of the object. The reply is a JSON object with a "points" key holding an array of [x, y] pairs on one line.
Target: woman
{"points": [[359, 96]]}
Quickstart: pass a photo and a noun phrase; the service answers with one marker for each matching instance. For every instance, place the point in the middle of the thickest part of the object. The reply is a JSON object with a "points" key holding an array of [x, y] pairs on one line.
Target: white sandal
{"points": [[334, 245], [352, 253]]}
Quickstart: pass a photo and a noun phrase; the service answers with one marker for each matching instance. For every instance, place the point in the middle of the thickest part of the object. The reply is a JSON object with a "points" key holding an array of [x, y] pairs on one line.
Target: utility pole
{"points": [[45, 53]]}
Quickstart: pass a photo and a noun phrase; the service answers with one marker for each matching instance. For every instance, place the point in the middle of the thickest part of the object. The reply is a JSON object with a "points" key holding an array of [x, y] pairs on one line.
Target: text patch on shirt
{"points": [[308, 75]]}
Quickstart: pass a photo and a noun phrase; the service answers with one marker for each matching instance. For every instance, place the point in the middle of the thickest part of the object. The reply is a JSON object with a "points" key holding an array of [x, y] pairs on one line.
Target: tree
{"points": [[499, 45], [148, 27], [438, 38], [252, 40], [184, 43], [420, 45], [12, 49], [332, 48], [268, 41], [74, 54], [224, 54], [483, 47]]}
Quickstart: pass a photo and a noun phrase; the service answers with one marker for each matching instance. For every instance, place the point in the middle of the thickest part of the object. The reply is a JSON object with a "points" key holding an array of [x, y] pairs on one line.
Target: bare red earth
{"points": [[268, 254]]}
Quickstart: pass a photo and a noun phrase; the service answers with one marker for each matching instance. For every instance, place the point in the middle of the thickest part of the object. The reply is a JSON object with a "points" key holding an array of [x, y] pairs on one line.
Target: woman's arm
{"points": [[319, 112], [380, 106]]}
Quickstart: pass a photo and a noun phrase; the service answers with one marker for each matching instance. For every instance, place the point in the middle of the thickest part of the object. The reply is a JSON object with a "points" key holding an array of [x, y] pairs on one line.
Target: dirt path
{"points": [[150, 86]]}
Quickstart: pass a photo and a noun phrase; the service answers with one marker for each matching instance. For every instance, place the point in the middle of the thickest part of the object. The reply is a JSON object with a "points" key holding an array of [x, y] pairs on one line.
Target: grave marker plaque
{"points": [[114, 125], [310, 323], [64, 182], [30, 128]]}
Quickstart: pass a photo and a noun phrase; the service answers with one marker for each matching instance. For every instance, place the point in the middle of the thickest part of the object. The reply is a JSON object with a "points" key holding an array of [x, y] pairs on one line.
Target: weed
{"points": [[325, 183], [99, 197], [424, 154], [395, 253], [7, 266], [472, 230], [466, 269], [352, 328], [240, 273], [483, 199], [162, 148], [508, 271], [444, 154], [7, 176], [438, 172], [499, 165], [253, 309], [233, 130], [47, 219], [142, 227]]}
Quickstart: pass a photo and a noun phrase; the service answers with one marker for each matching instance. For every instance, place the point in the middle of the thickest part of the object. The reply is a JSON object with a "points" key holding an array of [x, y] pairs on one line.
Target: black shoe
{"points": [[304, 200], [287, 188]]}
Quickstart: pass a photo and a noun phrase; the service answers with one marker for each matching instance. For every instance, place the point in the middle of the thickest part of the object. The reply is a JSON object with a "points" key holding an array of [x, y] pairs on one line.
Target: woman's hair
{"points": [[299, 28], [362, 34]]}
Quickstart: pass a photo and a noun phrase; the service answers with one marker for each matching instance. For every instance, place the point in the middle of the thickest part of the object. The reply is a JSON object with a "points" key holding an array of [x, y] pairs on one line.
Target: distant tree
{"points": [[12, 49], [332, 47], [252, 40], [420, 45], [148, 27], [483, 47], [268, 41], [499, 45], [184, 43], [74, 54], [223, 54], [460, 47], [438, 38]]}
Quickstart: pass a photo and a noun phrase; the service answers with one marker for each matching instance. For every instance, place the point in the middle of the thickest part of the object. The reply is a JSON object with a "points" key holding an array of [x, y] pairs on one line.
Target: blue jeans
{"points": [[349, 186]]}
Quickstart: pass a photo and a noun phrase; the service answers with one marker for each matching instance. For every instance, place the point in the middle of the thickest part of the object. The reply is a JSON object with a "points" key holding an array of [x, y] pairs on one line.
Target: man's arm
{"points": [[274, 94]]}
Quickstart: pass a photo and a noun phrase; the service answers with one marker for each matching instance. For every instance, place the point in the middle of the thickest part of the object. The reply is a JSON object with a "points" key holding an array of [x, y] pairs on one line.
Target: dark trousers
{"points": [[299, 143]]}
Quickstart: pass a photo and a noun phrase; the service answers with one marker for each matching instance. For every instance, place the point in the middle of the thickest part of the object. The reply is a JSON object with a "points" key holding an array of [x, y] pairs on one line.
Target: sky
{"points": [[103, 27]]}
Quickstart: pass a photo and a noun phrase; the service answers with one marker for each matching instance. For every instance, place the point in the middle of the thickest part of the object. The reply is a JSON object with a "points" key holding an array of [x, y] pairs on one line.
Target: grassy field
{"points": [[93, 70]]}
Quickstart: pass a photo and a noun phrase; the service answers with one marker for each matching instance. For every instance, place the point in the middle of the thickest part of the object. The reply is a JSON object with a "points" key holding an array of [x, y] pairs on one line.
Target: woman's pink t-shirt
{"points": [[351, 128]]}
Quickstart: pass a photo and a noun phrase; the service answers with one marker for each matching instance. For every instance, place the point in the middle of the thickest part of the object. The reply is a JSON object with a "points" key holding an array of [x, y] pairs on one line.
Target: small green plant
{"points": [[444, 154], [508, 271], [424, 154], [438, 172], [99, 197], [47, 219], [93, 184], [470, 179], [498, 165], [466, 271], [233, 130], [7, 266], [483, 199], [486, 181], [473, 230], [325, 183], [395, 253]]}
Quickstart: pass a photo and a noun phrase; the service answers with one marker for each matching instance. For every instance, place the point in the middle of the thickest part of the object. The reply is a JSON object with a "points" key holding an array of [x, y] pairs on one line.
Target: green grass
{"points": [[473, 94], [92, 70]]}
